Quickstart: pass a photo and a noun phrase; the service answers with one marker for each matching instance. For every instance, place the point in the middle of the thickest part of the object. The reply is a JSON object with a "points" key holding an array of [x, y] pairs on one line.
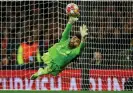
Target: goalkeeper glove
{"points": [[83, 30], [72, 20]]}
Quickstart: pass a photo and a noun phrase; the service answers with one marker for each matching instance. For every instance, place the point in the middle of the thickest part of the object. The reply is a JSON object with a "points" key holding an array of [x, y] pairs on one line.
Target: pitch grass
{"points": [[40, 91]]}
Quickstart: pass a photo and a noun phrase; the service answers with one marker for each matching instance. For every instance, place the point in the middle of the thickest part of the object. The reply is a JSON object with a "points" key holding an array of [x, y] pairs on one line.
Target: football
{"points": [[72, 10]]}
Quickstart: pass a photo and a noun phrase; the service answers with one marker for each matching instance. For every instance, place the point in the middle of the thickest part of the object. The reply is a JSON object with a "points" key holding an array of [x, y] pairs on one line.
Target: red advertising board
{"points": [[19, 79], [110, 80], [67, 80]]}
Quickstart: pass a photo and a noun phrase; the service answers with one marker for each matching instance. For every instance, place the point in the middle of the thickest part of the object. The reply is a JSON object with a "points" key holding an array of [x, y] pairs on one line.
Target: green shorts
{"points": [[55, 69], [53, 66]]}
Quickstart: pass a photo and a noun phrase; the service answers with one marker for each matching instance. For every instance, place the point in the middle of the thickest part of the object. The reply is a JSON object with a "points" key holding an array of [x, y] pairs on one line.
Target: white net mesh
{"points": [[105, 64]]}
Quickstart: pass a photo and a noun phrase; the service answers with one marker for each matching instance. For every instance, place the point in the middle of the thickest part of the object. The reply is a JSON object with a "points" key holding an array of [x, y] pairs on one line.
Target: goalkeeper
{"points": [[61, 54]]}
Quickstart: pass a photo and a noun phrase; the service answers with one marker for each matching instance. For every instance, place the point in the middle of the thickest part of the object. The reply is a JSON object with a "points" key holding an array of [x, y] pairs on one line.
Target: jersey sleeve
{"points": [[66, 33], [80, 48], [20, 55]]}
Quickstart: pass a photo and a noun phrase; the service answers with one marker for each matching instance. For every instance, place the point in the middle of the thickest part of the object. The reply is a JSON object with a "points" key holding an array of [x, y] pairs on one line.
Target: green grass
{"points": [[40, 91]]}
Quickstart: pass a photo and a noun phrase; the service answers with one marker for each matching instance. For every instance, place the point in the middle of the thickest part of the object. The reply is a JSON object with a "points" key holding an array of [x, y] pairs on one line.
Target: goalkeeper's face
{"points": [[74, 42]]}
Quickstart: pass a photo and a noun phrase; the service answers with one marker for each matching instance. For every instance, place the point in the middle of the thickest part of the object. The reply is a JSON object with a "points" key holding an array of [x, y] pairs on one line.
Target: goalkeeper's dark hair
{"points": [[78, 35]]}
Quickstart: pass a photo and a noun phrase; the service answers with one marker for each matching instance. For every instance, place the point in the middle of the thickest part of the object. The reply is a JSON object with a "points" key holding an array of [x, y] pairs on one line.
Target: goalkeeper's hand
{"points": [[83, 31], [72, 20]]}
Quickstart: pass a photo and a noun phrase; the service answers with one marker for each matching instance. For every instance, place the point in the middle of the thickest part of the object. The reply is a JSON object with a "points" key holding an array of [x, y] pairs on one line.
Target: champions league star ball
{"points": [[72, 10]]}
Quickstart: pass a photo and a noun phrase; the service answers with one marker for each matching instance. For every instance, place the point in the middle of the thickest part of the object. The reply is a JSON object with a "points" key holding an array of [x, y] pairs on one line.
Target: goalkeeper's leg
{"points": [[41, 72]]}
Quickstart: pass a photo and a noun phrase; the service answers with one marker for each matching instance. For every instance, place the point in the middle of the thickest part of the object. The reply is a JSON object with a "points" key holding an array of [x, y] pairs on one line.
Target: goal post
{"points": [[105, 64]]}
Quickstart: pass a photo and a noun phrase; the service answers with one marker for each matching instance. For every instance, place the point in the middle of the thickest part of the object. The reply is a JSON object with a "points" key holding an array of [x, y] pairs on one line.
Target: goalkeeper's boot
{"points": [[36, 75]]}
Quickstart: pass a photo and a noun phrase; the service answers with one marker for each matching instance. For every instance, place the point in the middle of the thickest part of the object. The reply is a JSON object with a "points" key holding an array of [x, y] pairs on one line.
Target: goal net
{"points": [[29, 28]]}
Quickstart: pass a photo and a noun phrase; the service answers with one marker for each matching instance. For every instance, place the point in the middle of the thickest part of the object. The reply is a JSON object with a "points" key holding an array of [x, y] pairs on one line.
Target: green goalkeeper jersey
{"points": [[60, 53]]}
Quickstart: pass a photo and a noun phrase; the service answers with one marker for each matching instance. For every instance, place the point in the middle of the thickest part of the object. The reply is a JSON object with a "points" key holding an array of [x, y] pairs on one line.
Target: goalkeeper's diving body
{"points": [[61, 53]]}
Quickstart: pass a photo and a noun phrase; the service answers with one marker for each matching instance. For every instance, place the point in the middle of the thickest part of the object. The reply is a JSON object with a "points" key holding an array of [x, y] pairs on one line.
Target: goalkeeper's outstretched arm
{"points": [[83, 32], [66, 33]]}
